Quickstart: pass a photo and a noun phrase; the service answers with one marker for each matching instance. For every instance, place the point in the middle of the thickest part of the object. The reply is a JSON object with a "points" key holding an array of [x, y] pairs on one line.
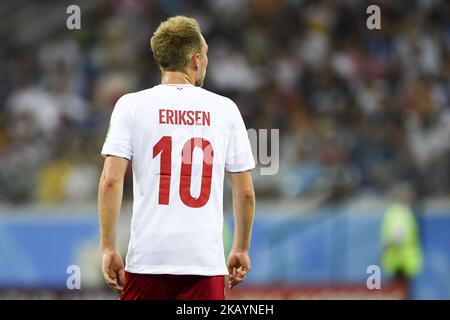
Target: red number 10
{"points": [[164, 146]]}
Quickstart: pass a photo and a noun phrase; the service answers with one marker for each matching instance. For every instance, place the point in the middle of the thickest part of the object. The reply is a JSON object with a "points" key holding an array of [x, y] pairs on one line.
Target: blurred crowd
{"points": [[358, 110]]}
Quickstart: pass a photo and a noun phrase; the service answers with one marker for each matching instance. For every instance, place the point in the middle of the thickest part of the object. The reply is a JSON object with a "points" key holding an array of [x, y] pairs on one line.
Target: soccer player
{"points": [[180, 139]]}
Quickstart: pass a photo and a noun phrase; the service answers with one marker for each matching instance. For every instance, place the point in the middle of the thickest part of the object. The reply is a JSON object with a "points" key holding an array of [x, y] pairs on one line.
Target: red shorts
{"points": [[172, 287]]}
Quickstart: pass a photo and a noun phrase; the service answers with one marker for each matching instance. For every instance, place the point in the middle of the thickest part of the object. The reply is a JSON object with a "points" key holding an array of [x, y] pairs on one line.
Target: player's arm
{"points": [[243, 210], [109, 203]]}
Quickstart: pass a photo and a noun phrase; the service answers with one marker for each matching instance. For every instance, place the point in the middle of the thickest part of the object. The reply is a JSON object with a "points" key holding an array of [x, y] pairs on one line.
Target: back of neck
{"points": [[175, 77]]}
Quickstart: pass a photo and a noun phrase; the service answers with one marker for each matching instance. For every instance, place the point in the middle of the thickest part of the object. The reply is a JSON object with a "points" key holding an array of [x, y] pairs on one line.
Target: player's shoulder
{"points": [[134, 98], [227, 102], [136, 95]]}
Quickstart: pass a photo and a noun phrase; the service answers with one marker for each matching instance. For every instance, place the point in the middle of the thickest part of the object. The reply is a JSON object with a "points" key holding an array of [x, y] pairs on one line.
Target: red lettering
{"points": [[161, 116], [198, 117], [190, 120], [206, 118], [186, 173], [182, 119], [164, 147], [169, 115]]}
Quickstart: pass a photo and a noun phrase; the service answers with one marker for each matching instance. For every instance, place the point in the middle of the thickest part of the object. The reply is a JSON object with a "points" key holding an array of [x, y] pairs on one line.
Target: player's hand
{"points": [[113, 270], [238, 267]]}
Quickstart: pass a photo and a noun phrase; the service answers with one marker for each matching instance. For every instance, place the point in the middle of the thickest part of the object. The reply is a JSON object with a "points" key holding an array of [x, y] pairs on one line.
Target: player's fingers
{"points": [[116, 288], [110, 280], [240, 277], [234, 283], [235, 273], [112, 283], [122, 277], [231, 283], [108, 275], [230, 271], [107, 270], [232, 278], [242, 271]]}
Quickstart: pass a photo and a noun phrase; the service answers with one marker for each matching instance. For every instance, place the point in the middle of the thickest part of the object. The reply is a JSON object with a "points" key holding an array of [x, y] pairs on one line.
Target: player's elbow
{"points": [[108, 182]]}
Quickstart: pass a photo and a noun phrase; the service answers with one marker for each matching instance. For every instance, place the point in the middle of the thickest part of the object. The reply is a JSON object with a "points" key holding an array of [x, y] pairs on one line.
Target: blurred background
{"points": [[363, 117]]}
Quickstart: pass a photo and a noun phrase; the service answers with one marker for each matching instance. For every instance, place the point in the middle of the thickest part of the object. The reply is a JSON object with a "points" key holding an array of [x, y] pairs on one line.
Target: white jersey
{"points": [[180, 139]]}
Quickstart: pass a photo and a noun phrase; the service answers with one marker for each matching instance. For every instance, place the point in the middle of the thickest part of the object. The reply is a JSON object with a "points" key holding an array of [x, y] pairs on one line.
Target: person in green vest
{"points": [[402, 253]]}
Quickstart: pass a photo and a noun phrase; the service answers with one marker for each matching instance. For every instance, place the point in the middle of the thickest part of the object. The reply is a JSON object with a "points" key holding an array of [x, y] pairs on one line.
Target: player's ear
{"points": [[196, 60]]}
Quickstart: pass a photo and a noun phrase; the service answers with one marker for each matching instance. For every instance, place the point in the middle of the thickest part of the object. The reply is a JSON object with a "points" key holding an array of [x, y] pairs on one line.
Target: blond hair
{"points": [[175, 41]]}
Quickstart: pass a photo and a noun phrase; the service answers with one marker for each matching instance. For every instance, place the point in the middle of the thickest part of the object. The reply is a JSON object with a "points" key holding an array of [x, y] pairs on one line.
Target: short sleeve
{"points": [[118, 139], [239, 153]]}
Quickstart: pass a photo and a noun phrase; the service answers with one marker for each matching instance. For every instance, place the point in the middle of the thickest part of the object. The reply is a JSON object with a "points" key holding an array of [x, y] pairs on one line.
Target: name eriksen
{"points": [[184, 117]]}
